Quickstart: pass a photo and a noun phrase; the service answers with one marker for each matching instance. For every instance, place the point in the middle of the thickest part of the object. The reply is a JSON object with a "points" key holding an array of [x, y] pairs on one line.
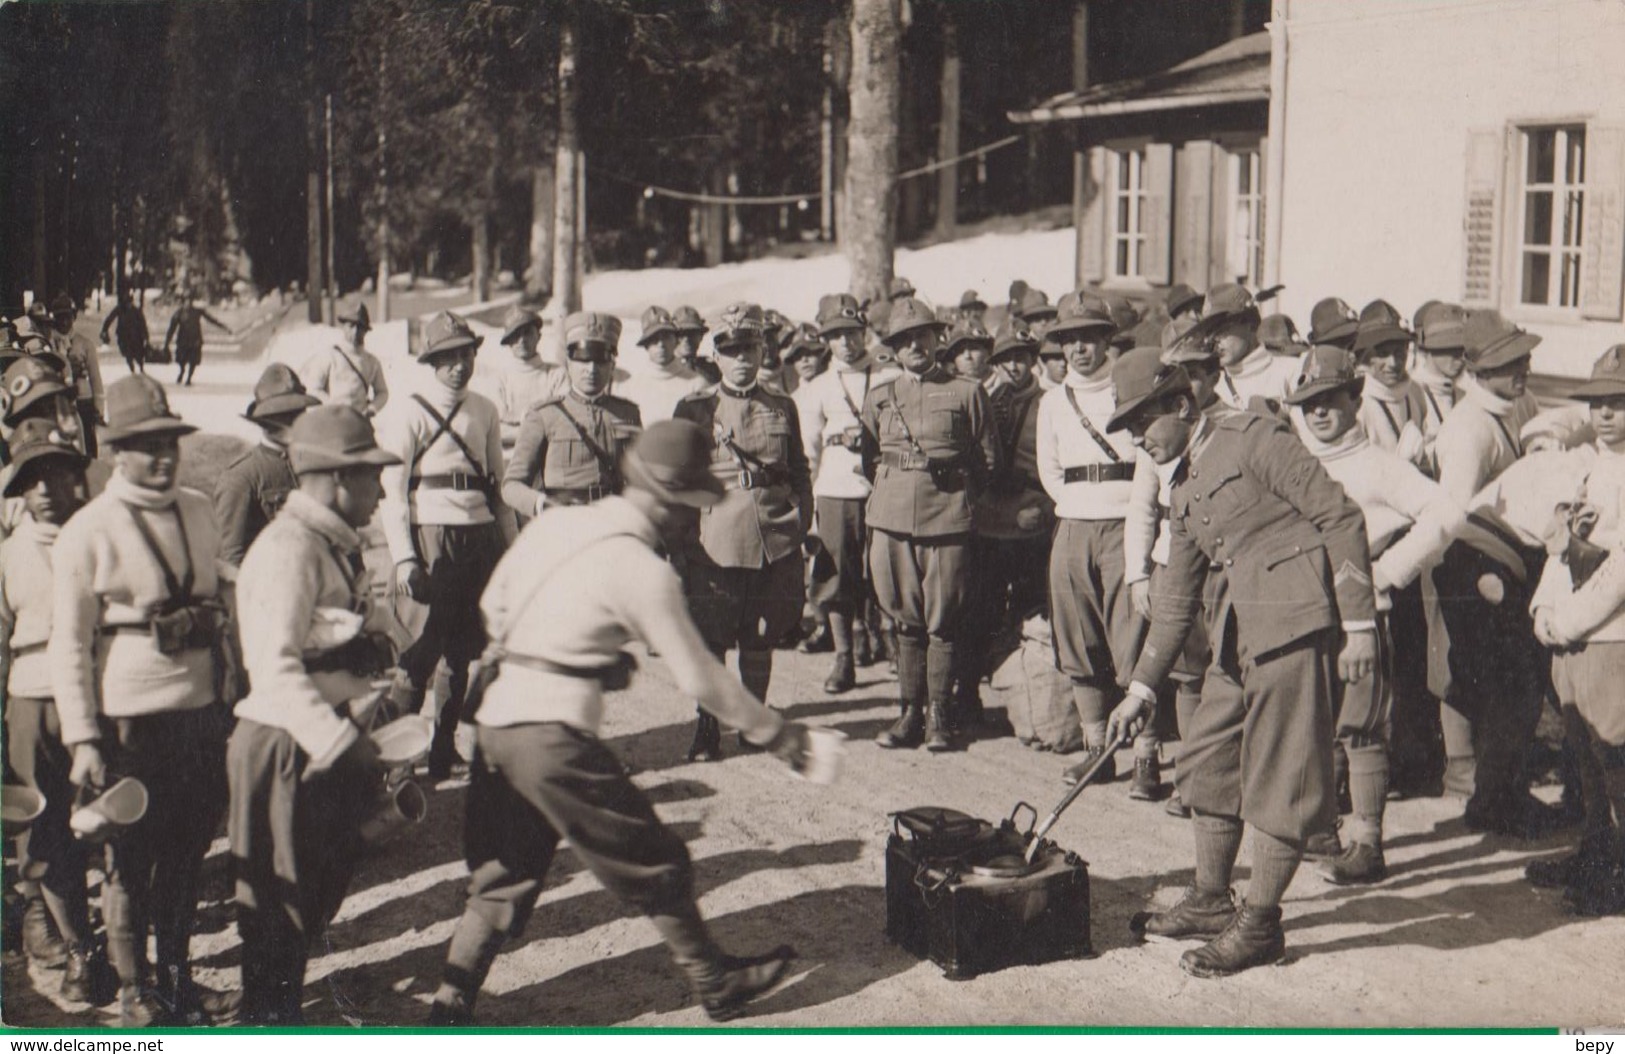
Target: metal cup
{"points": [[120, 806], [20, 807]]}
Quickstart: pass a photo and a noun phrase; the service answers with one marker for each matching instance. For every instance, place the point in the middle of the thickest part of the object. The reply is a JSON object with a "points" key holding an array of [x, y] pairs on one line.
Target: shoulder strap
{"points": [[179, 587], [847, 396], [1512, 440], [443, 428], [1388, 414], [536, 588], [1094, 433], [366, 384], [606, 463]]}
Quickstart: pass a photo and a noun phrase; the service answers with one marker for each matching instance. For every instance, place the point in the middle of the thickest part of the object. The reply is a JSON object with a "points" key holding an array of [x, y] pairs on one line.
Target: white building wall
{"points": [[1379, 97]]}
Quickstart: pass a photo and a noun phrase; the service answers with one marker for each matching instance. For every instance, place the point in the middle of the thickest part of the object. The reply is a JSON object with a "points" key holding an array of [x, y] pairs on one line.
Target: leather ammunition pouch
{"points": [[367, 655], [187, 627]]}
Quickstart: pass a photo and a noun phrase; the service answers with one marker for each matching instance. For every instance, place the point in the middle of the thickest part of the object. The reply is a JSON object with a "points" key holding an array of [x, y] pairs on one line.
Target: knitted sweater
{"points": [[657, 390], [1595, 611], [823, 404], [1063, 443], [25, 609], [1394, 418], [348, 376], [1261, 375]]}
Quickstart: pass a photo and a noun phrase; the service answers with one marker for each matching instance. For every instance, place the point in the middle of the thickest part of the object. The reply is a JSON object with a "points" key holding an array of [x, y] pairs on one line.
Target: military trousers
{"points": [[921, 583], [47, 853], [749, 608], [1097, 632]]}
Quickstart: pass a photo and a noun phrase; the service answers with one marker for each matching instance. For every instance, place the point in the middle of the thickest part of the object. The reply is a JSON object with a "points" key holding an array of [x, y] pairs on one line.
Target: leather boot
{"points": [[40, 939], [191, 1004], [1197, 915], [474, 946], [77, 977], [1599, 893], [1176, 806], [1253, 938], [889, 638], [817, 642], [863, 648], [139, 1007], [1147, 785], [1323, 845], [707, 745], [726, 984], [906, 733], [1360, 865], [1074, 773], [1594, 854], [939, 735], [842, 677]]}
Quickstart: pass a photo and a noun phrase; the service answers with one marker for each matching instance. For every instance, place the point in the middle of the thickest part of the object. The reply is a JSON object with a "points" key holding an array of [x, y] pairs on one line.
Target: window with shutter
{"points": [[1092, 229], [1156, 209], [1602, 279], [1125, 212], [1551, 204], [1481, 222]]}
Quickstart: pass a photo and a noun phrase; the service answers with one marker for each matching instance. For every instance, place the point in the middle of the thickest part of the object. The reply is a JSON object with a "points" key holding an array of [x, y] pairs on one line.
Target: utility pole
{"points": [[567, 195], [948, 131], [313, 176], [826, 153], [332, 279], [383, 203]]}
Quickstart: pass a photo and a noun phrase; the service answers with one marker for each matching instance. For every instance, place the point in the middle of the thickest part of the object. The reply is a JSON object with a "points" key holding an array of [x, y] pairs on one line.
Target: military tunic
{"points": [[247, 496], [569, 451]]}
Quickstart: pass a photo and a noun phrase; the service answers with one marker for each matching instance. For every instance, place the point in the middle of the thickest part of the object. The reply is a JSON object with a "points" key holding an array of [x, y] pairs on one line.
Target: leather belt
{"points": [[576, 495], [1099, 472], [908, 462], [114, 631], [835, 440], [763, 476], [453, 481]]}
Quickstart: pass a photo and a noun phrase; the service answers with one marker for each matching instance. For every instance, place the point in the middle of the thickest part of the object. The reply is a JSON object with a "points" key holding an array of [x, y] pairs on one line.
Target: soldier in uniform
{"points": [[930, 449], [578, 586], [691, 329], [1392, 408], [136, 656], [525, 380], [1440, 360], [84, 368], [744, 579], [248, 493], [1183, 303], [1247, 369], [666, 381], [186, 333], [1290, 608], [347, 373], [1333, 322], [302, 770], [130, 324], [971, 305], [443, 519], [569, 448]]}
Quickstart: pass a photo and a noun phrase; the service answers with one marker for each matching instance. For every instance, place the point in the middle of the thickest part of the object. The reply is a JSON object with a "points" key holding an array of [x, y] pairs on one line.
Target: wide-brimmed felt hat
{"points": [[1228, 302], [38, 311], [1607, 376], [838, 311], [592, 327], [774, 326], [1147, 334], [739, 324], [333, 437], [1034, 305], [1124, 315], [968, 331], [1326, 368], [33, 440], [278, 391], [971, 300], [26, 381], [656, 322], [360, 318], [672, 460], [1014, 336], [1140, 377], [1181, 298], [687, 320], [516, 321], [139, 406], [1278, 334], [1492, 342], [1333, 321], [908, 315], [1076, 313], [804, 339], [446, 332], [62, 304], [1181, 343], [900, 288], [1440, 327], [1381, 323]]}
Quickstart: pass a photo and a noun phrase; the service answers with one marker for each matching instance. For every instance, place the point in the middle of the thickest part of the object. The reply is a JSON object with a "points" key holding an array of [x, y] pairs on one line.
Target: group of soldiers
{"points": [[1286, 553]]}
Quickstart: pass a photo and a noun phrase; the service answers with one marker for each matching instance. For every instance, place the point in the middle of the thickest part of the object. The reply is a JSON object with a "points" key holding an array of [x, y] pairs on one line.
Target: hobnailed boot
{"points": [[1360, 865], [1147, 785], [43, 943], [1323, 845], [1176, 806], [842, 677], [938, 735], [817, 642], [725, 985], [906, 733], [1253, 938], [707, 745], [1074, 773], [1198, 915]]}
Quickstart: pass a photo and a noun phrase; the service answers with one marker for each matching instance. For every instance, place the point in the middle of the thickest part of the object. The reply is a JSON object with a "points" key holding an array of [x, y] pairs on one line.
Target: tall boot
{"points": [[707, 745], [755, 673], [443, 749], [938, 732], [940, 667], [1253, 938], [474, 947], [722, 984], [842, 677], [909, 730], [41, 940]]}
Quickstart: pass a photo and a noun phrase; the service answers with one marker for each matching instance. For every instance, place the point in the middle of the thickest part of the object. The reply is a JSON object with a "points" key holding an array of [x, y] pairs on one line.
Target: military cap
{"points": [[672, 460], [901, 288], [27, 381], [1014, 337], [446, 332], [1381, 323], [516, 321], [359, 318], [1181, 343], [38, 313], [1229, 301], [1140, 377], [138, 406], [947, 315], [278, 391], [62, 304], [1332, 321], [592, 327], [1034, 306], [37, 439], [1147, 334], [1076, 313], [1182, 298], [1326, 368], [968, 331], [687, 320], [804, 340], [1492, 342], [1607, 376], [908, 315], [1278, 334], [971, 300], [739, 323], [656, 321], [774, 325], [1439, 326], [838, 311], [334, 437]]}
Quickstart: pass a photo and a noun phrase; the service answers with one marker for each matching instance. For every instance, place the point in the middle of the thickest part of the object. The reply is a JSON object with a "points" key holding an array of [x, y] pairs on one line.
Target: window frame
{"points": [[1135, 236], [1554, 248], [1250, 154]]}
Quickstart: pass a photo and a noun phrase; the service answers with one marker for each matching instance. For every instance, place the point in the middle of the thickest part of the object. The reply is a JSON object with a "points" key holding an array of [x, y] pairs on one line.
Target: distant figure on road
{"points": [[127, 321], [186, 333], [345, 372]]}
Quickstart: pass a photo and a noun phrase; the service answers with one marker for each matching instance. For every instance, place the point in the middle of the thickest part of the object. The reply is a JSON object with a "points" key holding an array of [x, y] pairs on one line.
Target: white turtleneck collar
{"points": [[1254, 362], [1476, 393], [442, 396], [865, 363], [1350, 442], [1382, 392], [1100, 383], [140, 497], [674, 370]]}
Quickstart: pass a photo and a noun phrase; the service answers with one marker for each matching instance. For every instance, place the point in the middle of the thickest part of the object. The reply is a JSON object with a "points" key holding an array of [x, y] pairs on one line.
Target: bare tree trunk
{"points": [[481, 252], [566, 197], [871, 174], [313, 175], [41, 241], [714, 220], [839, 38], [948, 132], [539, 277]]}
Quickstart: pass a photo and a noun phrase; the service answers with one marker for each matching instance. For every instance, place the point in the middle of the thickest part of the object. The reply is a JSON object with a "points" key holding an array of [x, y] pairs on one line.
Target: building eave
{"points": [[1119, 107]]}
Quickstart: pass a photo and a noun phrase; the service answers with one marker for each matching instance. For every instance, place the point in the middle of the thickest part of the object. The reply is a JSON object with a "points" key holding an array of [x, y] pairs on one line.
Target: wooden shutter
{"points": [[1602, 277], [1194, 214], [1481, 221], [1156, 219], [1092, 232], [1265, 264]]}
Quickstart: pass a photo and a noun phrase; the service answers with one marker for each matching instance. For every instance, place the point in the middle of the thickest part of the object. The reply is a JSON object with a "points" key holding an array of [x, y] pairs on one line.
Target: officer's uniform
{"points": [[253, 487], [568, 452], [933, 450]]}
